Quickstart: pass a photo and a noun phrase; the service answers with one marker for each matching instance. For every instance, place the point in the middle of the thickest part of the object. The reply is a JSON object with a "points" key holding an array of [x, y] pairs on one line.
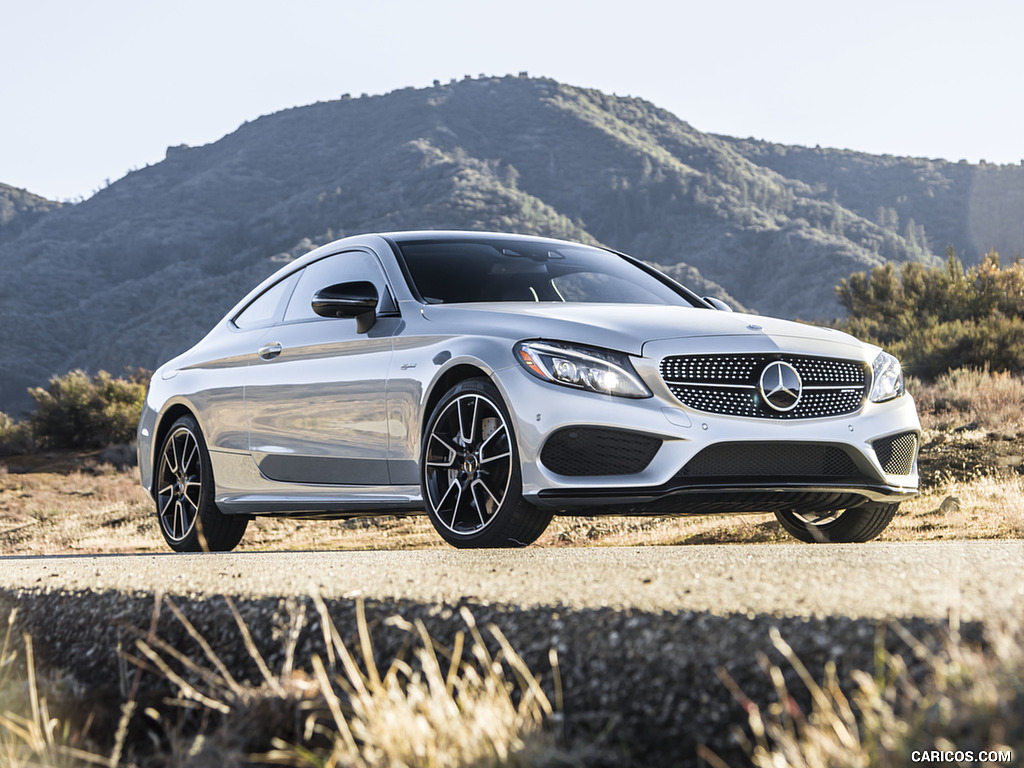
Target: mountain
{"points": [[142, 269], [20, 209], [933, 203]]}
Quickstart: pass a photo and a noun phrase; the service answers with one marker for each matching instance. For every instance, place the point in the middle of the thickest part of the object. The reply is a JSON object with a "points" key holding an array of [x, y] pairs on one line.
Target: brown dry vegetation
{"points": [[971, 467], [101, 510]]}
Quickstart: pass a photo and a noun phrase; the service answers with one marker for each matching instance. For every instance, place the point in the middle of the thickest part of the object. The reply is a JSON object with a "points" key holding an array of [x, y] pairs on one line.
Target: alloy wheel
{"points": [[180, 484], [469, 463]]}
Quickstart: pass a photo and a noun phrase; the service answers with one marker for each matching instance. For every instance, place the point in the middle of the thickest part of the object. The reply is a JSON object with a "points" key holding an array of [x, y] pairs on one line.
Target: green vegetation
{"points": [[20, 209], [76, 411], [15, 436], [938, 319]]}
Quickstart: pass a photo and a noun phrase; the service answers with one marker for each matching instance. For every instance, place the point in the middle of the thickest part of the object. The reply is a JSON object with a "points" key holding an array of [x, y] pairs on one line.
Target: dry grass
{"points": [[30, 735], [971, 464], [444, 707], [992, 402], [434, 707], [72, 503], [662, 531], [101, 510], [967, 699], [438, 706], [986, 507], [357, 534]]}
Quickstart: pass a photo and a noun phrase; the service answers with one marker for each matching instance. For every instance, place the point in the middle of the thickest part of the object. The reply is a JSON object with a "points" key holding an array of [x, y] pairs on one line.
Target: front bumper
{"points": [[663, 485]]}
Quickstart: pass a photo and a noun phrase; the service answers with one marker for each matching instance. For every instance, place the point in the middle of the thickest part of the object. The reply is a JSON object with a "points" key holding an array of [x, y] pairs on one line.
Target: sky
{"points": [[92, 90]]}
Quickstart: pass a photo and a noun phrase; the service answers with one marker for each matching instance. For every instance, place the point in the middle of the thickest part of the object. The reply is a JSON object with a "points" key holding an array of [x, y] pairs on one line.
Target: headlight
{"points": [[595, 370], [887, 381]]}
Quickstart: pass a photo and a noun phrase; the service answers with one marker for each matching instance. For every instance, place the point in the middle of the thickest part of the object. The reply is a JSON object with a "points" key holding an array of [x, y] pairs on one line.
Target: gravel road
{"points": [[973, 579], [641, 633]]}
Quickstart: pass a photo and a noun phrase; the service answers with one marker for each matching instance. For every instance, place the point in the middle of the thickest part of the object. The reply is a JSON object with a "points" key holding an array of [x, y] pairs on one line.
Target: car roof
{"points": [[441, 235]]}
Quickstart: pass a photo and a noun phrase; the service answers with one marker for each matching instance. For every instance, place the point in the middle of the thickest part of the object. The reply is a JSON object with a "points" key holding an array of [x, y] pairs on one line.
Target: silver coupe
{"points": [[493, 381]]}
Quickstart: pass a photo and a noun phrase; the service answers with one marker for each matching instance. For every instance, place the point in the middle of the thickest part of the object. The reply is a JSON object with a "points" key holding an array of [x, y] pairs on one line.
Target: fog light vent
{"points": [[896, 454], [593, 451]]}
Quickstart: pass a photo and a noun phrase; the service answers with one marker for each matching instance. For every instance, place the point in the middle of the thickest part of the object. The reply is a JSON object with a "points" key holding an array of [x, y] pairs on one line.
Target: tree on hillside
{"points": [[941, 318]]}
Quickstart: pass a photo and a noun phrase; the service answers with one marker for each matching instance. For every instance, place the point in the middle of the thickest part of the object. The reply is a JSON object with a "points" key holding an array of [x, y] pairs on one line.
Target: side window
{"points": [[266, 308], [339, 268]]}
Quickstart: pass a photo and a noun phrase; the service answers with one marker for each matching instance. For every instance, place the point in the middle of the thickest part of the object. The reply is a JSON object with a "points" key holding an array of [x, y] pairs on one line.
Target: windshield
{"points": [[457, 271]]}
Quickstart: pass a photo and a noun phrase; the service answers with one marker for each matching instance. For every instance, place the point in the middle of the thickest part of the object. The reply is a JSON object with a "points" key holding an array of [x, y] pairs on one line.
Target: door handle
{"points": [[270, 351]]}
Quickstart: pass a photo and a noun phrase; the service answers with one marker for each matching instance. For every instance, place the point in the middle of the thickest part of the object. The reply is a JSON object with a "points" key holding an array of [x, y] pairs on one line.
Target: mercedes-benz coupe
{"points": [[493, 381]]}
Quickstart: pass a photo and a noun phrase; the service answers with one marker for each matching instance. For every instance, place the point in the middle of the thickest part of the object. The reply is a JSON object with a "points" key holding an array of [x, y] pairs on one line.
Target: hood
{"points": [[623, 327]]}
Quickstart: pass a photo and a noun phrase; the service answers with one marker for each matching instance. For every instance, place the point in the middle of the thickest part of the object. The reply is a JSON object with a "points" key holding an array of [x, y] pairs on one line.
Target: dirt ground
{"points": [[75, 502]]}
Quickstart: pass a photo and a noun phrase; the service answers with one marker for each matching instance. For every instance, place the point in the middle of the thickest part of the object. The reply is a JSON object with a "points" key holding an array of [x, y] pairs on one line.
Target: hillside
{"points": [[142, 269], [936, 203], [19, 210]]}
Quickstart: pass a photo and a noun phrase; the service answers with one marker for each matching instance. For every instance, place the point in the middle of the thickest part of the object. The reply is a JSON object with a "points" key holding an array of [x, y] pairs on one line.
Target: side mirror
{"points": [[356, 299], [717, 303]]}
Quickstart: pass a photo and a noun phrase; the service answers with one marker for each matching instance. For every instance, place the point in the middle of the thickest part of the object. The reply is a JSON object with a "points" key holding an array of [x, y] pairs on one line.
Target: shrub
{"points": [[76, 411], [15, 436], [972, 396], [936, 319]]}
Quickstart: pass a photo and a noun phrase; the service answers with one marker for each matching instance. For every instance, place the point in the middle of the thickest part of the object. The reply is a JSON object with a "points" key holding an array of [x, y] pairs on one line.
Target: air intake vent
{"points": [[593, 451], [896, 454], [771, 460]]}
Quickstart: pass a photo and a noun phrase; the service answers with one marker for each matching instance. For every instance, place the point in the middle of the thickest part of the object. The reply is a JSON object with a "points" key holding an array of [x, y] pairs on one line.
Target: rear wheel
{"points": [[189, 519], [853, 525], [470, 474]]}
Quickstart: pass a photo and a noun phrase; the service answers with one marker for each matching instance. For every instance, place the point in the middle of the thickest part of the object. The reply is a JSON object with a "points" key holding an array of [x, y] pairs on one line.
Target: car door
{"points": [[315, 394]]}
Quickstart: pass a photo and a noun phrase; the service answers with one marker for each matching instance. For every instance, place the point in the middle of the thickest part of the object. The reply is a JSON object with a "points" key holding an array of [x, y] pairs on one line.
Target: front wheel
{"points": [[853, 525], [470, 474], [189, 519]]}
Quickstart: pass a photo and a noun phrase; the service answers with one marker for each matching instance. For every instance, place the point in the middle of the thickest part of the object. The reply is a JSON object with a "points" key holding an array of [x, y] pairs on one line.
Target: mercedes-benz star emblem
{"points": [[780, 386]]}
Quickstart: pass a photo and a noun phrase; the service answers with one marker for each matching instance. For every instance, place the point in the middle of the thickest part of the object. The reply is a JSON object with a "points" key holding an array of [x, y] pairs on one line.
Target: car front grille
{"points": [[896, 454], [728, 384], [594, 451]]}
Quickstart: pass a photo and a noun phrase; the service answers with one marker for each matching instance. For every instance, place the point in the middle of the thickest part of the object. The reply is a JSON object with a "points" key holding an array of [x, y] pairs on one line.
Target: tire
{"points": [[854, 525], [189, 519], [470, 475]]}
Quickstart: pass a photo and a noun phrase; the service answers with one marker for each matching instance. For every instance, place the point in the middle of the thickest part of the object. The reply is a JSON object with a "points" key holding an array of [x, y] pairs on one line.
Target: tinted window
{"points": [[340, 268], [511, 270], [267, 307]]}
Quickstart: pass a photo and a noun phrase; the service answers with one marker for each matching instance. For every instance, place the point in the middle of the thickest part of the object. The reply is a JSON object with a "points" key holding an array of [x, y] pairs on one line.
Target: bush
{"points": [[962, 396], [15, 436], [78, 412], [936, 319]]}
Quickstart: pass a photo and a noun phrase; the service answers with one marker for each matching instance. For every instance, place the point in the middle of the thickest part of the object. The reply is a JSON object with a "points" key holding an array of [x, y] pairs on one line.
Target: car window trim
{"points": [[395, 312], [233, 325], [684, 293]]}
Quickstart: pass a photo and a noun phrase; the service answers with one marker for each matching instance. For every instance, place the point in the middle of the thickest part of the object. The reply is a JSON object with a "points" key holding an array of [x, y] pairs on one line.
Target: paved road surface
{"points": [[972, 579]]}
